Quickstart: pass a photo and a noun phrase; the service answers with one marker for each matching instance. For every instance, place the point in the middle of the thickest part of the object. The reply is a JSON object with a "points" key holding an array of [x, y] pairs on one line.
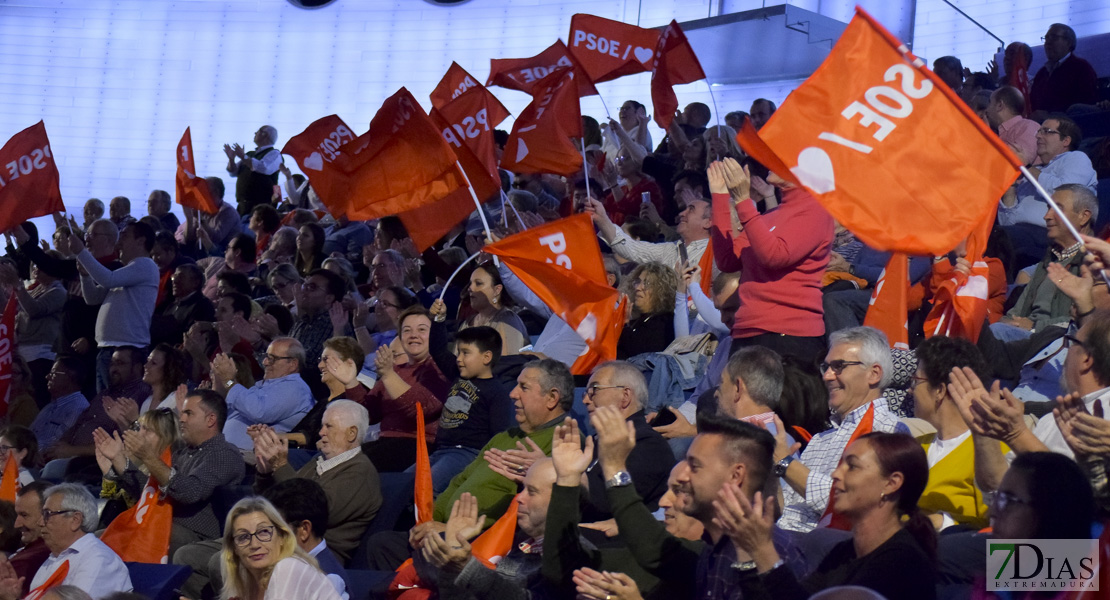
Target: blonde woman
{"points": [[124, 476], [262, 561]]}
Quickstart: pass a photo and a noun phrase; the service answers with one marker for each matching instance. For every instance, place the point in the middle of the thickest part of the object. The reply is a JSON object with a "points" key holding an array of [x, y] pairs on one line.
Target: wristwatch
{"points": [[781, 466], [619, 479], [228, 384]]}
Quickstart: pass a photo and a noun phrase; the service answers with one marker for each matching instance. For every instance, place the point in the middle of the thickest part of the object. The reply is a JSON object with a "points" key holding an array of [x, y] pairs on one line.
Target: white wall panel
{"points": [[117, 81]]}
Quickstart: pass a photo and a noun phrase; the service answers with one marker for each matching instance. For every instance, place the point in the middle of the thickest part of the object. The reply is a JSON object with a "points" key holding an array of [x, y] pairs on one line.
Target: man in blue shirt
{"points": [[280, 400], [66, 402]]}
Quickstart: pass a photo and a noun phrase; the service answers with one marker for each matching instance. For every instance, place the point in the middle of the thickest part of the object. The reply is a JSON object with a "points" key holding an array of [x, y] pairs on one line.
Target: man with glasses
{"points": [[69, 517], [1065, 79], [622, 386], [856, 369], [320, 290], [280, 400]]}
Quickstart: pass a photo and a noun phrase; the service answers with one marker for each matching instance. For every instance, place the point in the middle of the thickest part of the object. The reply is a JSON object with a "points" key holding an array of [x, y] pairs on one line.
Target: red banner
{"points": [[888, 308], [142, 532], [675, 63], [316, 149], [609, 49], [892, 153], [570, 278], [9, 483], [524, 73], [192, 190], [422, 487], [960, 303], [540, 140], [28, 178]]}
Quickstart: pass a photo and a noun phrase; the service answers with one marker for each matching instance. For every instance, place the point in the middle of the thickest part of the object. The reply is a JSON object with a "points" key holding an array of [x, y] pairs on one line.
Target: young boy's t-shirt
{"points": [[475, 411]]}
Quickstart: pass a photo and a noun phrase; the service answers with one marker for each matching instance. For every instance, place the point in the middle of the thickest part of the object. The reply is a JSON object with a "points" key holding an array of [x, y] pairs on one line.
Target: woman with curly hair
{"points": [[651, 287], [262, 560]]}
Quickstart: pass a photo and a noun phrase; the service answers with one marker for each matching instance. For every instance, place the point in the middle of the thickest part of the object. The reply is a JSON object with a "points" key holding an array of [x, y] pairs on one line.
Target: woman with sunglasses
{"points": [[262, 560]]}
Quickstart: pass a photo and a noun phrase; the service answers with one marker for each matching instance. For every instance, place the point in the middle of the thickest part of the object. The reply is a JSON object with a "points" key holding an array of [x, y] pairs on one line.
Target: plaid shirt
{"points": [[197, 471], [821, 456], [718, 579]]}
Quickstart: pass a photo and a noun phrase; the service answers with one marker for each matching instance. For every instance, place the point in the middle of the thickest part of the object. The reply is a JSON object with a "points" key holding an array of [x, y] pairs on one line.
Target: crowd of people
{"points": [[750, 439]]}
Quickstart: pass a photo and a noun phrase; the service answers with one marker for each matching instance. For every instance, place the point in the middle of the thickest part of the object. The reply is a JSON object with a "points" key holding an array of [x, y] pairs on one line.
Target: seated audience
{"points": [[124, 475], [66, 401], [491, 308], [21, 443], [651, 289], [28, 522], [339, 371]]}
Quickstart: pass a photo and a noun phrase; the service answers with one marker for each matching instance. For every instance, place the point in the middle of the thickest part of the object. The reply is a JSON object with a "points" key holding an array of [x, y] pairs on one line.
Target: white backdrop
{"points": [[117, 81]]}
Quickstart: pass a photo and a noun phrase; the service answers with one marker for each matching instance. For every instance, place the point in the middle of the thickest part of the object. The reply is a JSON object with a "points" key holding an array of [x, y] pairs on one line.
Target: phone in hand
{"points": [[683, 257], [663, 417], [645, 197]]}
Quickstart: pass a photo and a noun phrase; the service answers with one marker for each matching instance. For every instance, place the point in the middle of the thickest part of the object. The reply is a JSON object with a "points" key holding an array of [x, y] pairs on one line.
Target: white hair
{"points": [[351, 413], [76, 498], [874, 349]]}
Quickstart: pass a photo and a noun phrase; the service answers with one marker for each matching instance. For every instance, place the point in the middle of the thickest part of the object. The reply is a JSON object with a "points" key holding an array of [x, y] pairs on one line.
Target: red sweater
{"points": [[398, 415], [781, 255]]}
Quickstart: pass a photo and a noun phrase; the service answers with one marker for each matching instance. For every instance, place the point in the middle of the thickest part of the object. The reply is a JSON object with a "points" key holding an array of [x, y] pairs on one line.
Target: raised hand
{"points": [[686, 275], [995, 413], [464, 523], [438, 310], [447, 555], [737, 179], [383, 360], [616, 437], [1085, 433], [570, 459], [339, 317], [271, 450], [344, 371], [123, 410], [109, 449], [747, 523], [138, 447], [1076, 287]]}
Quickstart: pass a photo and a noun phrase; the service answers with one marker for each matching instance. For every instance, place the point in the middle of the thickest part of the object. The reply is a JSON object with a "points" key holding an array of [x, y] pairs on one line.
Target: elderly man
{"points": [[348, 477], [542, 397], [856, 369], [119, 211], [694, 224], [1060, 162], [158, 206], [28, 522], [751, 384], [206, 461], [126, 295], [92, 211], [1042, 303], [621, 385], [280, 400], [1065, 79], [69, 517], [66, 401], [256, 170], [213, 231]]}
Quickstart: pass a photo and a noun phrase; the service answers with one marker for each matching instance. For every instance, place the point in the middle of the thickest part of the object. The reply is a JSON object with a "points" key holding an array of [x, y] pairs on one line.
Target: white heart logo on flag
{"points": [[314, 161], [521, 150], [815, 170], [643, 54]]}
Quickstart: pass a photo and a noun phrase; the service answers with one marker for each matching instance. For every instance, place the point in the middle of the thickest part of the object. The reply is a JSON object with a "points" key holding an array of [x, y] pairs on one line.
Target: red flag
{"points": [[467, 123], [9, 484], [887, 311], [456, 82], [315, 149], [56, 578], [142, 532], [7, 346], [540, 141], [192, 191], [570, 279], [497, 541], [609, 49], [1019, 78], [28, 178], [422, 489], [524, 73], [872, 134], [675, 63], [960, 303]]}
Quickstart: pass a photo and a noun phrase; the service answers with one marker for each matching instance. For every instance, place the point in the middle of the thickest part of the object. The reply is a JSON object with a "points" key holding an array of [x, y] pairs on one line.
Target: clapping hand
{"points": [[109, 450], [139, 447], [747, 523], [995, 413], [271, 450], [604, 585], [123, 410], [1085, 433], [570, 459], [616, 437], [514, 464], [223, 368]]}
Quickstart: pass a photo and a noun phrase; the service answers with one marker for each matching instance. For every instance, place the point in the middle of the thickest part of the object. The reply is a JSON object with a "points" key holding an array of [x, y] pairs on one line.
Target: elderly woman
{"points": [[400, 388], [652, 289], [893, 546], [262, 561], [339, 367]]}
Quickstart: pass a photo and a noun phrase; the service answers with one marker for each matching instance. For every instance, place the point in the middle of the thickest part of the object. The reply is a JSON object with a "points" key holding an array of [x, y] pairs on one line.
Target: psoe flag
{"points": [[192, 191], [886, 147], [28, 178], [609, 49]]}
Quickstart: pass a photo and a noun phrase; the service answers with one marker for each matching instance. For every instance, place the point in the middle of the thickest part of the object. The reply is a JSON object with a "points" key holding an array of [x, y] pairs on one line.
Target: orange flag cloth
{"points": [[56, 578], [524, 73], [142, 532], [192, 191], [887, 311], [609, 49], [28, 178], [675, 63], [422, 488], [960, 303], [561, 263], [886, 147], [540, 140], [9, 484]]}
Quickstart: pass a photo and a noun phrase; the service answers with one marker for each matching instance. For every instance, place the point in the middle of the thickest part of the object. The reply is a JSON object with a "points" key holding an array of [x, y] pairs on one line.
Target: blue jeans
{"points": [[103, 361], [449, 462]]}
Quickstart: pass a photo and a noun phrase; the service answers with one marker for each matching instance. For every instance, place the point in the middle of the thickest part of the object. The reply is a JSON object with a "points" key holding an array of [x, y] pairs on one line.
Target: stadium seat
{"points": [[397, 496], [157, 582]]}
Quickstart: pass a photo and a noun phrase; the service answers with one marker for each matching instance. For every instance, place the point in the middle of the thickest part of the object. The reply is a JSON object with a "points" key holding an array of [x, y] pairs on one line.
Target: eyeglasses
{"points": [[264, 534], [838, 366], [1047, 131], [1071, 340], [46, 514], [275, 358], [919, 380], [5, 449], [1003, 499], [593, 388]]}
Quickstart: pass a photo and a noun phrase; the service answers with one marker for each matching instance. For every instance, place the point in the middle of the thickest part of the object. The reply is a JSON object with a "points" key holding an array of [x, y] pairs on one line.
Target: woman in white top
{"points": [[262, 561], [164, 372], [21, 441]]}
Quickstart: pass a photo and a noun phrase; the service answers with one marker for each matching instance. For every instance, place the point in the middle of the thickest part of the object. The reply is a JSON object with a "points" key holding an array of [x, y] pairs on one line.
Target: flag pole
{"points": [[505, 200], [716, 112], [457, 269], [477, 204], [585, 169], [1059, 213]]}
